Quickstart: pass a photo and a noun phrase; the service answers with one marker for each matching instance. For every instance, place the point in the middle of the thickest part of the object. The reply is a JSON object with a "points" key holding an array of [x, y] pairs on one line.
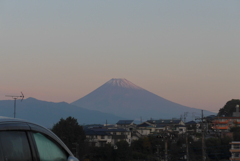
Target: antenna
{"points": [[193, 115], [15, 98], [185, 115]]}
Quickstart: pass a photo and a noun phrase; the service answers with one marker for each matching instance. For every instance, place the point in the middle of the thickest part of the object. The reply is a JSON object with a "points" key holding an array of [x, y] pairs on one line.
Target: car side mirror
{"points": [[71, 158]]}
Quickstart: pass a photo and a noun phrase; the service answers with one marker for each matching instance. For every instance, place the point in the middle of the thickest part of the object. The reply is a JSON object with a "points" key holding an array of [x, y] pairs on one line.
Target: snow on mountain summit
{"points": [[122, 82], [125, 99]]}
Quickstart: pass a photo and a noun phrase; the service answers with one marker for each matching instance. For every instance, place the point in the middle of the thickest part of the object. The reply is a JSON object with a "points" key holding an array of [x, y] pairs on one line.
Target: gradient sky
{"points": [[185, 51]]}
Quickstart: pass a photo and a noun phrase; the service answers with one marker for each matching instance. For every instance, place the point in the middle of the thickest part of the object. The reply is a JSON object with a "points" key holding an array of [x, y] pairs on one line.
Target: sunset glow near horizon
{"points": [[185, 51]]}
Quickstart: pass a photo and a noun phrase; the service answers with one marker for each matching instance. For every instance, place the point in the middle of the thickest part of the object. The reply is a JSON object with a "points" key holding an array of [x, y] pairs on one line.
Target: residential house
{"points": [[156, 126], [146, 128], [126, 124], [99, 137], [193, 126], [131, 126], [181, 129], [170, 125]]}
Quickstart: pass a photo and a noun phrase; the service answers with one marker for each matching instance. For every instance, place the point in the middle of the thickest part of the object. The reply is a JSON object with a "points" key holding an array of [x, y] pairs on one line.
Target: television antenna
{"points": [[15, 98]]}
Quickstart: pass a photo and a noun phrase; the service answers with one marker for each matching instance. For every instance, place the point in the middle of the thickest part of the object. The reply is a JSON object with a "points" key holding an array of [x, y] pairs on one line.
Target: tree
{"points": [[123, 151], [72, 134], [218, 148], [229, 108], [139, 150], [101, 153], [213, 146], [236, 133]]}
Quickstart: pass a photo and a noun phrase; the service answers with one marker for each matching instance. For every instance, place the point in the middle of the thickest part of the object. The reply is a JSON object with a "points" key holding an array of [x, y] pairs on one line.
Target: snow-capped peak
{"points": [[122, 82]]}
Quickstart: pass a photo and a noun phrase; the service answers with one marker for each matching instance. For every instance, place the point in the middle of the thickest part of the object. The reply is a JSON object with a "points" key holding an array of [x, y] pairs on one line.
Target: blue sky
{"points": [[185, 51]]}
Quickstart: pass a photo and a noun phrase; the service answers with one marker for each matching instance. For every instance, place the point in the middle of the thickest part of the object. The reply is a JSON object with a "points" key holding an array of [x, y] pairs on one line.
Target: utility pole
{"points": [[203, 137], [203, 140], [185, 116], [187, 147], [15, 98], [166, 149], [158, 153], [193, 115], [77, 149], [166, 136]]}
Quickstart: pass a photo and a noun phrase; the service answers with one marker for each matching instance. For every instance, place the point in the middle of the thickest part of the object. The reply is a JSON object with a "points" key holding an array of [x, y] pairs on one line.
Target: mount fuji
{"points": [[125, 99]]}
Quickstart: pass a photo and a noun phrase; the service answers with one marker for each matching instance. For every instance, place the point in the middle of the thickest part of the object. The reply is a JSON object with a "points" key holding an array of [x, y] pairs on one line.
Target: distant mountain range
{"points": [[123, 98], [49, 113], [115, 100]]}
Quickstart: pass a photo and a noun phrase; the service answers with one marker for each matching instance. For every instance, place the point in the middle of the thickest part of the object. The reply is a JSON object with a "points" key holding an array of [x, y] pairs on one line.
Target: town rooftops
{"points": [[180, 126], [103, 131], [191, 123], [95, 132], [164, 121], [144, 125], [160, 125], [124, 122]]}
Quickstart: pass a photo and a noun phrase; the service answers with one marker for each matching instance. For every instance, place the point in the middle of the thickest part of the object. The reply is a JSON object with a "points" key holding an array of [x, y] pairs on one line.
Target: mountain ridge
{"points": [[49, 113], [131, 102]]}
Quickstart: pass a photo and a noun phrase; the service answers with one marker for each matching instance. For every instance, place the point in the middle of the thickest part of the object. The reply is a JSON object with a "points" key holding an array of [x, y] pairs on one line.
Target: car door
{"points": [[15, 146], [22, 141]]}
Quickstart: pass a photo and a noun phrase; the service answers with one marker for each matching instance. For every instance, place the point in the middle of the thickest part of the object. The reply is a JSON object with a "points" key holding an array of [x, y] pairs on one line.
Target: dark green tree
{"points": [[229, 108], [122, 152], [105, 153], [195, 150], [72, 134], [225, 146], [236, 133], [213, 150], [218, 148]]}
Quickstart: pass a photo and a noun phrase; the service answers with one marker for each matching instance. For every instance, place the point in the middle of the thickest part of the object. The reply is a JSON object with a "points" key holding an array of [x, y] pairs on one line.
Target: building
{"points": [[225, 123], [193, 127], [235, 150], [146, 128], [237, 113], [126, 124], [157, 126], [99, 137]]}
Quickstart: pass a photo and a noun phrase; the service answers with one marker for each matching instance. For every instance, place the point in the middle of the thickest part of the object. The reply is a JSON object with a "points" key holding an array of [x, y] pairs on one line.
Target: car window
{"points": [[15, 146], [48, 150]]}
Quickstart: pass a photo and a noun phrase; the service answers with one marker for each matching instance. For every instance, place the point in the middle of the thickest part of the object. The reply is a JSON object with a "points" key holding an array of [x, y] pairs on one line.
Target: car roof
{"points": [[9, 119], [8, 123]]}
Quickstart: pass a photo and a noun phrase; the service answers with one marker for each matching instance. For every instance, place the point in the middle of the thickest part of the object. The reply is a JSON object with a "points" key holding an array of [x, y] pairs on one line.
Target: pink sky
{"points": [[184, 51]]}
